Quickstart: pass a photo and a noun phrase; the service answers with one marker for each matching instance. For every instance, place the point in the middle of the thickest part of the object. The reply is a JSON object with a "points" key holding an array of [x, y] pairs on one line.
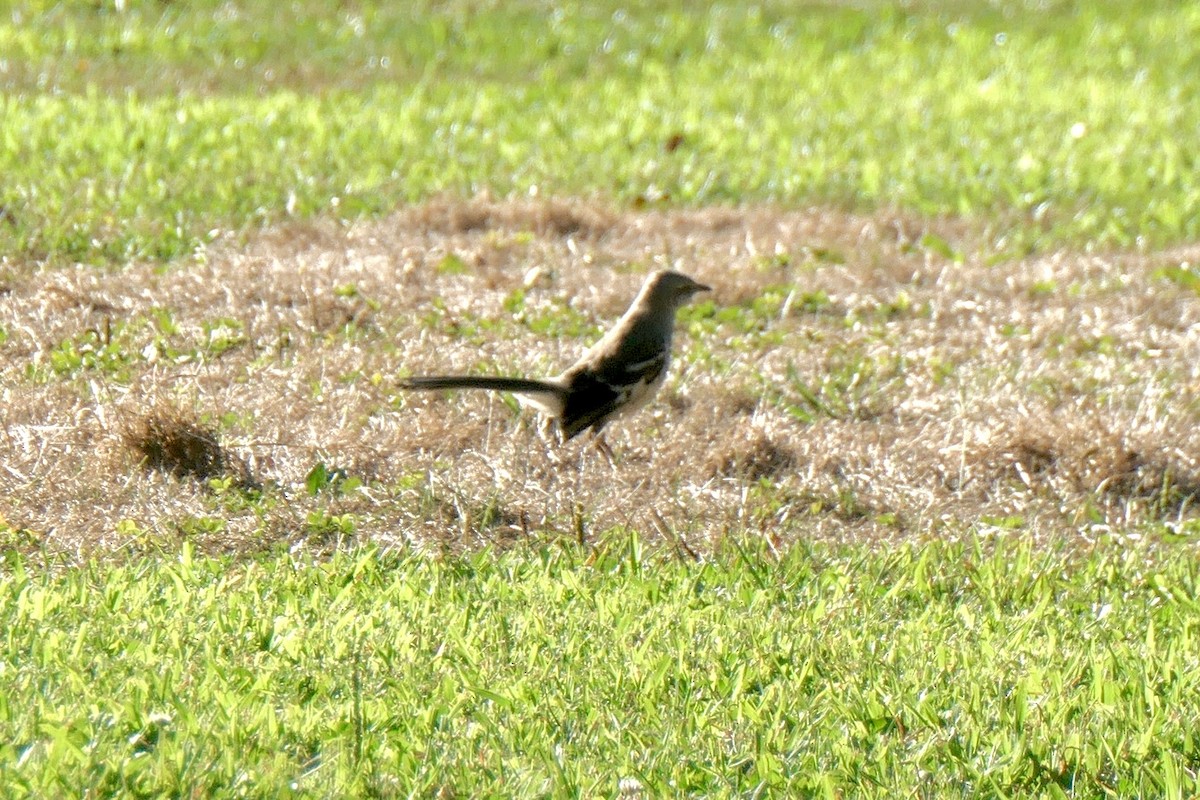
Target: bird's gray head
{"points": [[670, 289]]}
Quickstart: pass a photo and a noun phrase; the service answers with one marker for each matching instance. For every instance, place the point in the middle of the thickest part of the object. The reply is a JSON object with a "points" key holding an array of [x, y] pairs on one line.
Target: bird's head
{"points": [[671, 289]]}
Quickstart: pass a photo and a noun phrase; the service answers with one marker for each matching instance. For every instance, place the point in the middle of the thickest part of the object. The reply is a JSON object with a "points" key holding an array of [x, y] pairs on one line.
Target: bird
{"points": [[615, 376]]}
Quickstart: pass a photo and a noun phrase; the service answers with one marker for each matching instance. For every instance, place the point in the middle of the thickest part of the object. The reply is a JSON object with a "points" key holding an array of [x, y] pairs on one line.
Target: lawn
{"points": [[140, 133], [938, 670], [913, 515]]}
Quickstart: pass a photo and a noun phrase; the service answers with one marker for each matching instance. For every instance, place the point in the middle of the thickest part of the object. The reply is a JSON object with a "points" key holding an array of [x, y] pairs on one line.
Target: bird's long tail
{"points": [[549, 398], [519, 385]]}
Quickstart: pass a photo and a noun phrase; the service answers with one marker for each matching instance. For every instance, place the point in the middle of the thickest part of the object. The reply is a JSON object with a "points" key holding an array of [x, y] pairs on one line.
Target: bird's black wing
{"points": [[594, 396], [590, 402]]}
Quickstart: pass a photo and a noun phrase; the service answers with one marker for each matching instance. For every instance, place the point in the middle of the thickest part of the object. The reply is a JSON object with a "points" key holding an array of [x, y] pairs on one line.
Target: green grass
{"points": [[138, 134], [934, 671]]}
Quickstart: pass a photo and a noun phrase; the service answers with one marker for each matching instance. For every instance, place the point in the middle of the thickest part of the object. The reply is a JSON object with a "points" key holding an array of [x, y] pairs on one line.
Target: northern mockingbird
{"points": [[616, 375]]}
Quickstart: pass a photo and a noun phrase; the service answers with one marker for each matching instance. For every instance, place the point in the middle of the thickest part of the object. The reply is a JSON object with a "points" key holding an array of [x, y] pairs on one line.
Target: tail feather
{"points": [[521, 385]]}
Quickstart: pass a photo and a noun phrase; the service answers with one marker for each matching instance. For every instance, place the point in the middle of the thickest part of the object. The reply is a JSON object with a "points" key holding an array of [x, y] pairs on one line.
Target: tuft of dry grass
{"points": [[756, 457], [855, 377], [169, 439]]}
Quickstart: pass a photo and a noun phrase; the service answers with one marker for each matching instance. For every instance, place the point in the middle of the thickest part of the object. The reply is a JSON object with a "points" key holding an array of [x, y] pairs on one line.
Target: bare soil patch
{"points": [[857, 377]]}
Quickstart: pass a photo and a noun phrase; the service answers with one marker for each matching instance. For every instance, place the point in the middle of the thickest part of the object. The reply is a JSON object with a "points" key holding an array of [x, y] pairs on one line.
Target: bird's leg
{"points": [[606, 451], [551, 437]]}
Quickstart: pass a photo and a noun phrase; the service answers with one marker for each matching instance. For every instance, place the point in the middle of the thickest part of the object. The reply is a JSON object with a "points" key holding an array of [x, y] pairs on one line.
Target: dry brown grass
{"points": [[170, 439], [1059, 390]]}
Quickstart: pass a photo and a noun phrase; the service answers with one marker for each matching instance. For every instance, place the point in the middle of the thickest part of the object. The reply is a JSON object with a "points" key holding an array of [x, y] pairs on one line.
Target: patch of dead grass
{"points": [[880, 391], [753, 458], [169, 439], [549, 218], [1079, 454]]}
